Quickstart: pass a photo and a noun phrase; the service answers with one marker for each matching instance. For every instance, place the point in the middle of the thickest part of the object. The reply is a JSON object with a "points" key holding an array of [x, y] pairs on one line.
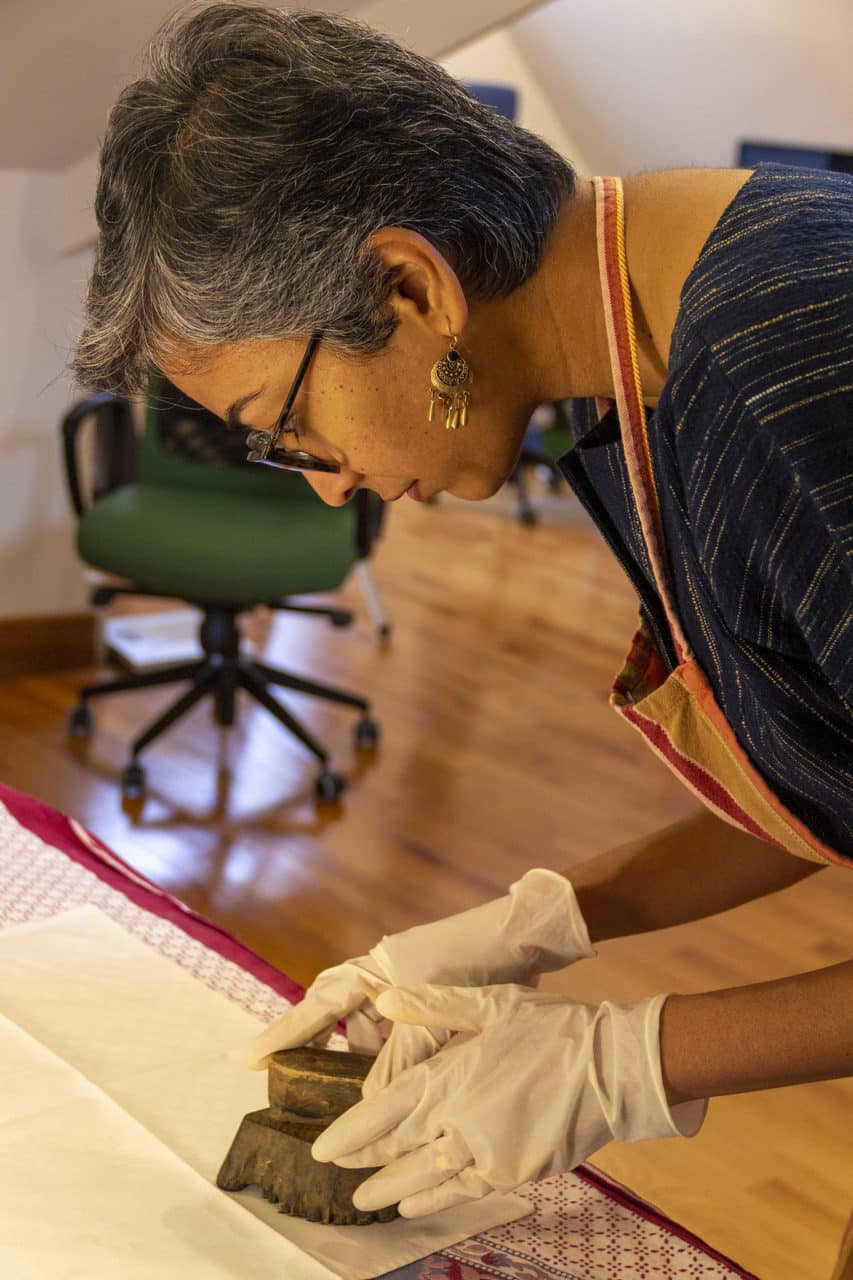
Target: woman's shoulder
{"points": [[754, 426], [762, 357], [669, 216], [781, 252]]}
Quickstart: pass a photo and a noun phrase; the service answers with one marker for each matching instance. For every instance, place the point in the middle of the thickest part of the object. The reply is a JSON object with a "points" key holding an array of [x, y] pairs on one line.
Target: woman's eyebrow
{"points": [[232, 413]]}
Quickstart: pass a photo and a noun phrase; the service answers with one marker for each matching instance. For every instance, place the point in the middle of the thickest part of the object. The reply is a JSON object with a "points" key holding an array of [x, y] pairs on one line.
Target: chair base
{"points": [[220, 673]]}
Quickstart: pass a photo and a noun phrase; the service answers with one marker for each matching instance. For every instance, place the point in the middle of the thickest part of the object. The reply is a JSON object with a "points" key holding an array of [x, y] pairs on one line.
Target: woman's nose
{"points": [[335, 489]]}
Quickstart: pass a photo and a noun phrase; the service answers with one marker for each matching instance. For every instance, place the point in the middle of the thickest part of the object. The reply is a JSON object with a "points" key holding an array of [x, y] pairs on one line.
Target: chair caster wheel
{"points": [[341, 619], [366, 734], [132, 782], [80, 721], [329, 786]]}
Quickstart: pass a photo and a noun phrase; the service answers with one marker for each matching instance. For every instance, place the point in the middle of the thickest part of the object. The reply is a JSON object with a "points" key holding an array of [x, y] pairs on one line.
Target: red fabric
{"points": [[699, 779], [58, 831]]}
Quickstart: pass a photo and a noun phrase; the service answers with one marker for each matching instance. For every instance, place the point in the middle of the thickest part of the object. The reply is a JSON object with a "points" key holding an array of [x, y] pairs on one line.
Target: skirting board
{"points": [[50, 642]]}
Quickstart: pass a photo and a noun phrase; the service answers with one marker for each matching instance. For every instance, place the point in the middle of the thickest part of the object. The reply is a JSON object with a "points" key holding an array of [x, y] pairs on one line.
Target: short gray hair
{"points": [[242, 176]]}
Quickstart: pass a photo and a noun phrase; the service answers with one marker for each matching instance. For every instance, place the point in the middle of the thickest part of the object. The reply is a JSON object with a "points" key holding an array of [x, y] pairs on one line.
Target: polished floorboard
{"points": [[499, 753]]}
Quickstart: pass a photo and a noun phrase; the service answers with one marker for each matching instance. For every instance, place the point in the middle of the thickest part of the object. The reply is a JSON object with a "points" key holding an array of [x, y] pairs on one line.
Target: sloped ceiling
{"points": [[669, 83], [62, 64]]}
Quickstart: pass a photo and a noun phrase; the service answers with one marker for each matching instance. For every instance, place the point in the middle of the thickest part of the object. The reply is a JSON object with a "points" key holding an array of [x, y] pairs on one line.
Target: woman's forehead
{"points": [[230, 377]]}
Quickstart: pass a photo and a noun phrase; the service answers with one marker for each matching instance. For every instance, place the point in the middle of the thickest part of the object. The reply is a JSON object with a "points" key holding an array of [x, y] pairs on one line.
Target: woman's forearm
{"points": [[691, 869], [765, 1036]]}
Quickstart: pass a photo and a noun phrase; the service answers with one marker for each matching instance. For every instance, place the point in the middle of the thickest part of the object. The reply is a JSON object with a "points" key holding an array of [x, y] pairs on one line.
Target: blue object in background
{"points": [[751, 153], [497, 96]]}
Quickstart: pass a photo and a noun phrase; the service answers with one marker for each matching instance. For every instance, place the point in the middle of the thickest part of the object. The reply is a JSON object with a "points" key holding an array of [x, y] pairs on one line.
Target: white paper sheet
{"points": [[168, 1050], [85, 1191]]}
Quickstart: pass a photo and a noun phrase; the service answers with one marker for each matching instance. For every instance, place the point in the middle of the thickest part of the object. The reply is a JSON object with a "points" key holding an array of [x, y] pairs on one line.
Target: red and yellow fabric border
{"points": [[685, 726], [619, 321]]}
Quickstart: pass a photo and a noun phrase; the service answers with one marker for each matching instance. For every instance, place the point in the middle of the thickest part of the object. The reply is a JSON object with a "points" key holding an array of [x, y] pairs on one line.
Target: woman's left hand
{"points": [[537, 1085]]}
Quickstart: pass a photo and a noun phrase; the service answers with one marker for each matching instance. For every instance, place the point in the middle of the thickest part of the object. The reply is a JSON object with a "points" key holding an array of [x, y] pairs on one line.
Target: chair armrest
{"points": [[115, 450]]}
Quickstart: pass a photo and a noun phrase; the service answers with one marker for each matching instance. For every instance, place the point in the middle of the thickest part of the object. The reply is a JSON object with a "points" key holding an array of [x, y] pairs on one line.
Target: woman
{"points": [[304, 225]]}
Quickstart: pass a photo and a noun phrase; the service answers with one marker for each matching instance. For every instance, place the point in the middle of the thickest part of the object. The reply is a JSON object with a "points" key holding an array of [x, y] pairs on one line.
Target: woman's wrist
{"points": [[604, 918], [765, 1036], [689, 870]]}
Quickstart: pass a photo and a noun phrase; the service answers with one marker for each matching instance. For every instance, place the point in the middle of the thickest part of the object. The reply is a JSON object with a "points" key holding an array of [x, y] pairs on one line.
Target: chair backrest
{"points": [[185, 446]]}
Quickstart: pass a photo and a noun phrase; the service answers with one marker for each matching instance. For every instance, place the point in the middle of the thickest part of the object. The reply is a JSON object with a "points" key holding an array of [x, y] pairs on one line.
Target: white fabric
{"points": [[535, 1085], [535, 928], [131, 1047]]}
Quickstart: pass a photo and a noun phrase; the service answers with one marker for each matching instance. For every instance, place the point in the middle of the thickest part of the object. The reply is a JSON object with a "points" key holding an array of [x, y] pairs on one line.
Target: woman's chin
{"points": [[476, 488]]}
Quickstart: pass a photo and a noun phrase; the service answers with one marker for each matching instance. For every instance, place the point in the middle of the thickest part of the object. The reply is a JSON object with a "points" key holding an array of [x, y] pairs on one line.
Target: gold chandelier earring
{"points": [[450, 380]]}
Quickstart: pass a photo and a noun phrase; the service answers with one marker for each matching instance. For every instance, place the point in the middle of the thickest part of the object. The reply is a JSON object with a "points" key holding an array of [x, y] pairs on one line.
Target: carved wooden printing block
{"points": [[307, 1090]]}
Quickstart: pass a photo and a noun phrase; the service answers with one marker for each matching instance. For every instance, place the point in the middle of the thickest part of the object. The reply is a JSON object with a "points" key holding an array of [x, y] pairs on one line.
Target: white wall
{"points": [[670, 83], [40, 315], [496, 59]]}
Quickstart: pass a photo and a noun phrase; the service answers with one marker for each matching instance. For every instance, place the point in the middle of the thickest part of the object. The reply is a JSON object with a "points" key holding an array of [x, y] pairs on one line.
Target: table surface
{"points": [[585, 1226]]}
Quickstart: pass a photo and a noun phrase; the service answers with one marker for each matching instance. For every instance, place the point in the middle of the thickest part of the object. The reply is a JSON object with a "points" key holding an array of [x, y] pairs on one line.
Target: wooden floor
{"points": [[499, 753]]}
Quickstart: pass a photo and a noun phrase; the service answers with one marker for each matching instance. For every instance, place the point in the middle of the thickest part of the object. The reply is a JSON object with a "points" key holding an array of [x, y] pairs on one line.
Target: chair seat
{"points": [[210, 547]]}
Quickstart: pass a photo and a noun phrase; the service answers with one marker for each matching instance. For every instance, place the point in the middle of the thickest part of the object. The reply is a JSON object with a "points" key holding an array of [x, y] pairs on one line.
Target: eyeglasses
{"points": [[265, 449]]}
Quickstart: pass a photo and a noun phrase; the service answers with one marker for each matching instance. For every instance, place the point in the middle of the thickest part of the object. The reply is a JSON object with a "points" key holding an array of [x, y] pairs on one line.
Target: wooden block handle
{"points": [[317, 1084]]}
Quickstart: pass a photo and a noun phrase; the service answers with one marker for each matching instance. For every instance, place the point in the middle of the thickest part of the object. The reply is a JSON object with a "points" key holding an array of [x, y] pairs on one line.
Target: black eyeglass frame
{"points": [[264, 448]]}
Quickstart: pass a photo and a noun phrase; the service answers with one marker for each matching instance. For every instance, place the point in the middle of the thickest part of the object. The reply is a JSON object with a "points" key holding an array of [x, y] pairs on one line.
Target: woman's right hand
{"points": [[536, 928]]}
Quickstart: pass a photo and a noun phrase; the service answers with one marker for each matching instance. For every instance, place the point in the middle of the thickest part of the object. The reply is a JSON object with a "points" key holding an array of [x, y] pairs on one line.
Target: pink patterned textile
{"points": [[585, 1226]]}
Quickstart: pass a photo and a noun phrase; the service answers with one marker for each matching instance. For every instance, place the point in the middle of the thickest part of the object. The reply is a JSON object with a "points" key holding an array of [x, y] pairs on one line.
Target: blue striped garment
{"points": [[751, 448]]}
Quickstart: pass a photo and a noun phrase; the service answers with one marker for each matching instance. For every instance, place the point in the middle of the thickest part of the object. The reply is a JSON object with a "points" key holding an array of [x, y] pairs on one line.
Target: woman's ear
{"points": [[425, 285]]}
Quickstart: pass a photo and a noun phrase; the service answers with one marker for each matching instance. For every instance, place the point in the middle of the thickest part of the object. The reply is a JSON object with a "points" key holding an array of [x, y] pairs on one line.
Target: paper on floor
{"points": [[169, 1051]]}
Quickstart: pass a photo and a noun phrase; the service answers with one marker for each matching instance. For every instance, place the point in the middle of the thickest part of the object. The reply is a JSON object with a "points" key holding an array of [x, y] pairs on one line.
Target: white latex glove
{"points": [[535, 928], [541, 1084]]}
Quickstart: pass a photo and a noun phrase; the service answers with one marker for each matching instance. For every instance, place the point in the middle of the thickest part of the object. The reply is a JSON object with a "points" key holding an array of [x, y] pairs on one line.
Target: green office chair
{"points": [[180, 513]]}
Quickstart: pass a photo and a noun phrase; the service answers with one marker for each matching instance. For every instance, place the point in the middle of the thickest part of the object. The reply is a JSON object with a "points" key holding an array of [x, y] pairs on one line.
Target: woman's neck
{"points": [[668, 217]]}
